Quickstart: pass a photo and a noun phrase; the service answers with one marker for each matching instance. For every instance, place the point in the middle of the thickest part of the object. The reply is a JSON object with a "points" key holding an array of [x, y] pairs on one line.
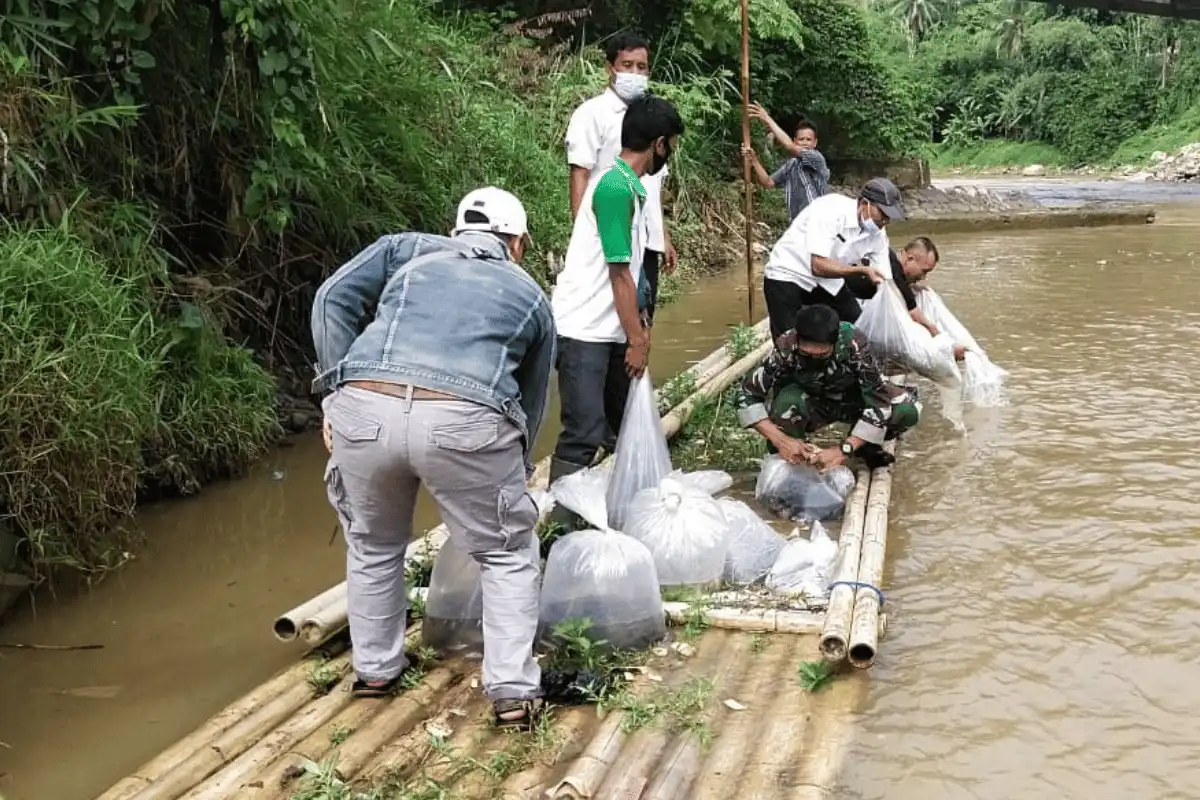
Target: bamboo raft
{"points": [[763, 736]]}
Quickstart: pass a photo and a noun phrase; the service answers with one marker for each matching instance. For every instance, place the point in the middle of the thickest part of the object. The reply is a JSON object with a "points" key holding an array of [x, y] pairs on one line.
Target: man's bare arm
{"points": [[579, 180]]}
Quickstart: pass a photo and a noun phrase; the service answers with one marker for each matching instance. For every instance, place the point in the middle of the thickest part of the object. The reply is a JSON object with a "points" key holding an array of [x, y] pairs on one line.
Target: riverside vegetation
{"points": [[177, 178], [1015, 82]]}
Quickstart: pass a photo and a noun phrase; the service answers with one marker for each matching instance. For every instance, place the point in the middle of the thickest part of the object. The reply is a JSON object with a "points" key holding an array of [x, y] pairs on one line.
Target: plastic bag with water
{"points": [[600, 574], [805, 566], [982, 379], [453, 623], [642, 458], [710, 481], [753, 545], [684, 529], [895, 337], [800, 492]]}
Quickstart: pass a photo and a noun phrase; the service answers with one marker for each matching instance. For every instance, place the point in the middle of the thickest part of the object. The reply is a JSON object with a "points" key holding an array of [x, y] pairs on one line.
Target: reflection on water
{"points": [[1045, 640], [1044, 628]]}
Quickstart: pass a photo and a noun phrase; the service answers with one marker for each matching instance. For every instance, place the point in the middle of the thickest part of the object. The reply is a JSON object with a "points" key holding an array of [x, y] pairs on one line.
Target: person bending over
{"points": [[822, 372]]}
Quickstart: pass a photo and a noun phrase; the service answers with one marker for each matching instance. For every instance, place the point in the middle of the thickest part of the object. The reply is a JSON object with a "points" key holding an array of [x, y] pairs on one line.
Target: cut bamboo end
{"points": [[836, 630]]}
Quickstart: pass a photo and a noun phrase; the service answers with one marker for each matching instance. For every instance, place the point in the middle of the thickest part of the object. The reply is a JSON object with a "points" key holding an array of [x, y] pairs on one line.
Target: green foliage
{"points": [[1077, 82]]}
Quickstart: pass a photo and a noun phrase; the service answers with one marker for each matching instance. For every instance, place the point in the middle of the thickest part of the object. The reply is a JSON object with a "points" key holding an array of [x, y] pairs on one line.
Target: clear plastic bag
{"points": [[799, 492], [453, 623], [608, 578], [600, 574], [982, 380], [753, 546], [805, 566], [895, 337], [684, 529], [642, 458], [710, 481]]}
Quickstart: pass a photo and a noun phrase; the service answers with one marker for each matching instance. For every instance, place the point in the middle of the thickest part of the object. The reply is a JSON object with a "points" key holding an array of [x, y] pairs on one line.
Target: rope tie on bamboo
{"points": [[860, 585]]}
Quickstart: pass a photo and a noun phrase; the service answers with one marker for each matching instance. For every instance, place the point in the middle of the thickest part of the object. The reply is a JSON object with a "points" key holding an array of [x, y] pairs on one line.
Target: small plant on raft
{"points": [[742, 341], [682, 709], [816, 675], [677, 389], [580, 668], [713, 439]]}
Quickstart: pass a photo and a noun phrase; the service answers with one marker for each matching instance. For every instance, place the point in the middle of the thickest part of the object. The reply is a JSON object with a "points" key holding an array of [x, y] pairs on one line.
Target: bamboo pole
{"points": [[746, 167], [720, 775], [752, 620], [841, 599], [589, 773], [223, 720], [678, 769], [229, 781], [323, 616], [275, 783], [571, 725], [824, 753], [715, 368], [234, 741], [864, 628]]}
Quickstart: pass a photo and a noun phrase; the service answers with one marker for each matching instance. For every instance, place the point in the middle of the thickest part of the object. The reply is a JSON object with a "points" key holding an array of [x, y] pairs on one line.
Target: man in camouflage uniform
{"points": [[821, 372]]}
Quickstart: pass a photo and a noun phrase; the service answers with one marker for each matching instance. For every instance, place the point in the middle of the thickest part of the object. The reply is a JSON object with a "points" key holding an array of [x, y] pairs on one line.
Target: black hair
{"points": [[648, 119], [817, 324], [926, 244], [620, 42], [806, 125]]}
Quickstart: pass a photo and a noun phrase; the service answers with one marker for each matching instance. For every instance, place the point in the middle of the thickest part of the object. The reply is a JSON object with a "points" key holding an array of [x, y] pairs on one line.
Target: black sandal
{"points": [[363, 689], [531, 710]]}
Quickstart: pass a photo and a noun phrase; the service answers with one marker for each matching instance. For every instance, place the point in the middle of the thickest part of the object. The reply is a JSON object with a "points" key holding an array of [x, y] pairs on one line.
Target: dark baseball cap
{"points": [[883, 193]]}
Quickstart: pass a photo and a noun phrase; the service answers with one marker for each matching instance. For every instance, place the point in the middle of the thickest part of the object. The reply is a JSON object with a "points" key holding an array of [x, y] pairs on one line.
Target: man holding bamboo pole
{"points": [[448, 394], [822, 371]]}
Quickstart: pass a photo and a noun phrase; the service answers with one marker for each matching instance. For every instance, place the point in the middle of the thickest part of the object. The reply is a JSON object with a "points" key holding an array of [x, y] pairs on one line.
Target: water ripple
{"points": [[1045, 621]]}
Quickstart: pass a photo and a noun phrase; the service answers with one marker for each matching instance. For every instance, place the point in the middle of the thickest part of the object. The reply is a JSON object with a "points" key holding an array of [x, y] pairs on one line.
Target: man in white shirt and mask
{"points": [[594, 141]]}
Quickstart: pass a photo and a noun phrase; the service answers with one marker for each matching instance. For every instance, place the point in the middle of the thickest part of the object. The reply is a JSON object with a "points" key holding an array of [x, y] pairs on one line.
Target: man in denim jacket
{"points": [[438, 352]]}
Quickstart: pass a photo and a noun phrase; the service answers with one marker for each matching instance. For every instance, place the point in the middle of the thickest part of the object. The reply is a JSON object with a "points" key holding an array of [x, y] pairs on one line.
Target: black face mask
{"points": [[657, 162]]}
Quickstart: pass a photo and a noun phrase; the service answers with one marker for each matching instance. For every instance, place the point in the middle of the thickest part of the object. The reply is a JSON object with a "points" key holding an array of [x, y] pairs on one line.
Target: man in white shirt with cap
{"points": [[594, 140], [818, 258]]}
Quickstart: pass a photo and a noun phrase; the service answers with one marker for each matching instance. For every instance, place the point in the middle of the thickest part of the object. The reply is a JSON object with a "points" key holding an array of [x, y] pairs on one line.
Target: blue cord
{"points": [[858, 585]]}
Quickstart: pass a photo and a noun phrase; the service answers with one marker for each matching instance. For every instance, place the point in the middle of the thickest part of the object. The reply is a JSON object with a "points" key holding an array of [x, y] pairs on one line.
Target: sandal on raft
{"points": [[507, 716], [362, 688]]}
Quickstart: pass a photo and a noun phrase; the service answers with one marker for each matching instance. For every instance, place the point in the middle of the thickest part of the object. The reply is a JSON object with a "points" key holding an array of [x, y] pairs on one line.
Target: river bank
{"points": [[195, 609]]}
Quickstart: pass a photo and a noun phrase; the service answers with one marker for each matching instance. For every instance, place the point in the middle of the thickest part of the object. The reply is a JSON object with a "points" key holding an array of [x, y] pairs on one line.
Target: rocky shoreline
{"points": [[1181, 166]]}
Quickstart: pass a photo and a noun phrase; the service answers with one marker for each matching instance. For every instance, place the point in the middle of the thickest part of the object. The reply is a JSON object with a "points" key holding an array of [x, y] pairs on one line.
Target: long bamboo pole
{"points": [[864, 628], [746, 167], [750, 620], [836, 630], [324, 615], [200, 739]]}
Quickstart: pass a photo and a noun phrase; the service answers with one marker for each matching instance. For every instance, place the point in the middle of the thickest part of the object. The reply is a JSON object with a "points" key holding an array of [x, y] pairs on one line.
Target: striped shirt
{"points": [[803, 178]]}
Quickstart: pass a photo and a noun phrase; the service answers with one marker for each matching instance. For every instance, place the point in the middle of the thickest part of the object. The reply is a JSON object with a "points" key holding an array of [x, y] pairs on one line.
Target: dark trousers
{"points": [[651, 260], [785, 299], [592, 388]]}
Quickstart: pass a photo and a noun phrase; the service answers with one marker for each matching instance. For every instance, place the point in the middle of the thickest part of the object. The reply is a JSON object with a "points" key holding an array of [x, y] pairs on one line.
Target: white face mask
{"points": [[869, 226], [629, 86]]}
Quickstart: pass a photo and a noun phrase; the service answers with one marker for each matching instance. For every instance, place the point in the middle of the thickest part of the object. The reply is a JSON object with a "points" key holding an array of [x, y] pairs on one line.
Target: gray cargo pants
{"points": [[471, 460]]}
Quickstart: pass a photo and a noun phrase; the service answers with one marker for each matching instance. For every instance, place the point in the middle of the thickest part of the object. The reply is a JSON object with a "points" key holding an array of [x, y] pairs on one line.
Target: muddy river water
{"points": [[1045, 625]]}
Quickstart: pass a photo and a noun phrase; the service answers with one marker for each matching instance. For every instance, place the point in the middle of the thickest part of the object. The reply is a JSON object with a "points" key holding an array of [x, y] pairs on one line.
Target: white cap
{"points": [[499, 212]]}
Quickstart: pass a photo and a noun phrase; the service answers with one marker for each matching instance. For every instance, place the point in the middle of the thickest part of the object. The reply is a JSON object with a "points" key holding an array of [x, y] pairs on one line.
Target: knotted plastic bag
{"points": [[753, 545], [642, 458], [805, 566], [895, 337], [710, 481], [453, 622], [601, 574], [684, 529], [800, 492]]}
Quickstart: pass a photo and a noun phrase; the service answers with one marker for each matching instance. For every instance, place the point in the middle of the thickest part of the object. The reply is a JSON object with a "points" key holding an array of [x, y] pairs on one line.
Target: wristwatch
{"points": [[847, 449]]}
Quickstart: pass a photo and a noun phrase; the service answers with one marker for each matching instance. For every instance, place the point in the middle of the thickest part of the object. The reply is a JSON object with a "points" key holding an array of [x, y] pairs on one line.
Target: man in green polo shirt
{"points": [[602, 342]]}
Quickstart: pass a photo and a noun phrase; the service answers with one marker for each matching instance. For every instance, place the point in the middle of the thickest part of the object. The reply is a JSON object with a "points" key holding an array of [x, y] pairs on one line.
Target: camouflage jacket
{"points": [[851, 378]]}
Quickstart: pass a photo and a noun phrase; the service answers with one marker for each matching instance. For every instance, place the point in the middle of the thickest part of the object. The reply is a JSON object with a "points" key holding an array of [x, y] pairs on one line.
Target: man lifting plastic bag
{"points": [[642, 458], [895, 337], [982, 380], [600, 574]]}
